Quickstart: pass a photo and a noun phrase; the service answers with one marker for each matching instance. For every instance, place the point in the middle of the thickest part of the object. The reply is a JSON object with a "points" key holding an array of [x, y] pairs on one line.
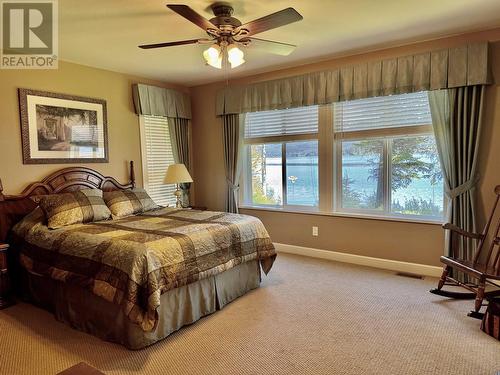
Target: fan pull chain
{"points": [[225, 65]]}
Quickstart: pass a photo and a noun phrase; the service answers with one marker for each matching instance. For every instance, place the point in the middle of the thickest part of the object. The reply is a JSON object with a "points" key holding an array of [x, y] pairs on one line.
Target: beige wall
{"points": [[411, 242], [123, 124]]}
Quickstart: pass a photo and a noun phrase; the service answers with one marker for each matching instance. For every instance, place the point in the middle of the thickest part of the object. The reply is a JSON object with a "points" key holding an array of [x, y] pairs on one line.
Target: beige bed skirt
{"points": [[179, 307]]}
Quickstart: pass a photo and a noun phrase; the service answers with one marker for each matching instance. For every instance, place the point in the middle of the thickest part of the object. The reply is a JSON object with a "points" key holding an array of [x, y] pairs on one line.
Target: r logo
{"points": [[27, 28]]}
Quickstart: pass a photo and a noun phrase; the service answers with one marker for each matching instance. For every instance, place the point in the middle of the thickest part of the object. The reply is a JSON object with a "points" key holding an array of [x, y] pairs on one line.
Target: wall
{"points": [[410, 242], [123, 124]]}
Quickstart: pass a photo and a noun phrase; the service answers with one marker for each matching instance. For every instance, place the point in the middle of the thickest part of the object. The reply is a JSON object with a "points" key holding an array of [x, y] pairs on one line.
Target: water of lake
{"points": [[304, 188]]}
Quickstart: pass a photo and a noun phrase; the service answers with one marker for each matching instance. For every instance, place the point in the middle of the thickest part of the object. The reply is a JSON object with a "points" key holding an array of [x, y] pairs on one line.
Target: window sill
{"points": [[316, 211]]}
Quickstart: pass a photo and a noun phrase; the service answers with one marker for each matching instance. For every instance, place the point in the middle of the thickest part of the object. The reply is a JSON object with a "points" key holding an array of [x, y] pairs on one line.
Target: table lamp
{"points": [[177, 174]]}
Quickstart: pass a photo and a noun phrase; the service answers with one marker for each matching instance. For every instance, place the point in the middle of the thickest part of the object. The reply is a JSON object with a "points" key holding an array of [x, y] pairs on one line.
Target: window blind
{"points": [[382, 112], [293, 121], [158, 155]]}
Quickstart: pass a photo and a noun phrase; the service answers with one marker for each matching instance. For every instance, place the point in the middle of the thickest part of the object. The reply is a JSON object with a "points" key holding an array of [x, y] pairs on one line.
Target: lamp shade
{"points": [[177, 174], [213, 56], [235, 56]]}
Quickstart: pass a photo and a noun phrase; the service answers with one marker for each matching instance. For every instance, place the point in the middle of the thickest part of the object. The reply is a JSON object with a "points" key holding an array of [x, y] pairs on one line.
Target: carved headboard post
{"points": [[1, 191], [132, 174]]}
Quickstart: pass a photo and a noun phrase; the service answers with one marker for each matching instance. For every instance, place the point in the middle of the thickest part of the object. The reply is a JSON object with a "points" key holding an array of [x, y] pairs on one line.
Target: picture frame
{"points": [[60, 128]]}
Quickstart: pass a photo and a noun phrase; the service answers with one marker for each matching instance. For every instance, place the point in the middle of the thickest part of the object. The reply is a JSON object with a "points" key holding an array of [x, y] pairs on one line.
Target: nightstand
{"points": [[5, 290]]}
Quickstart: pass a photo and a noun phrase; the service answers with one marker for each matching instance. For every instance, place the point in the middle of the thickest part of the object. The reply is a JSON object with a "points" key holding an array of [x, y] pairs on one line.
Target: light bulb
{"points": [[216, 63], [213, 57], [235, 56], [212, 53]]}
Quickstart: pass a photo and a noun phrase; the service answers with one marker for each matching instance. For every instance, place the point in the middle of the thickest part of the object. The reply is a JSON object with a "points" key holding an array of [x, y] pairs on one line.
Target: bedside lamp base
{"points": [[178, 197]]}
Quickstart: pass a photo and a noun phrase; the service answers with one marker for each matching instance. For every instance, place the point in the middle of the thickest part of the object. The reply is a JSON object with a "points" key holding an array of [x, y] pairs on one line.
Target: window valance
{"points": [[158, 101], [454, 67]]}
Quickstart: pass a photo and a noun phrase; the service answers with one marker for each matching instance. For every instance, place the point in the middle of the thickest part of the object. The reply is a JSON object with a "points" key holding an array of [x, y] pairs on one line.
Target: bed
{"points": [[132, 280]]}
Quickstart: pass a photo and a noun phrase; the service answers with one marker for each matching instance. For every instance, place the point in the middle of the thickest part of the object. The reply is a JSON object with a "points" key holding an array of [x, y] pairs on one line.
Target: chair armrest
{"points": [[462, 232]]}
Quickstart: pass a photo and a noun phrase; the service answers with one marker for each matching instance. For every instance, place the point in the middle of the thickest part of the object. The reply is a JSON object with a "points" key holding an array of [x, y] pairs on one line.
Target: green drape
{"points": [[232, 134], [159, 101], [457, 122], [179, 137], [459, 66], [176, 107]]}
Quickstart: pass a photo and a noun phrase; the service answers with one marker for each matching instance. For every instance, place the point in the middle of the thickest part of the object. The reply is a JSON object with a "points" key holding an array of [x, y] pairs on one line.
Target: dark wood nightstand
{"points": [[5, 290]]}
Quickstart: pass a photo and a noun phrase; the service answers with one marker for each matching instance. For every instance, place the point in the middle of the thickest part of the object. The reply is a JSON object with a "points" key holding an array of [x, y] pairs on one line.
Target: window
{"points": [[374, 156], [157, 155], [387, 162], [282, 157]]}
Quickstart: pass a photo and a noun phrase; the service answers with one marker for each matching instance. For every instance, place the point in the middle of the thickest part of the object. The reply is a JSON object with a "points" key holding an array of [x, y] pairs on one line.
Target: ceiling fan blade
{"points": [[278, 48], [271, 21], [191, 15], [170, 44]]}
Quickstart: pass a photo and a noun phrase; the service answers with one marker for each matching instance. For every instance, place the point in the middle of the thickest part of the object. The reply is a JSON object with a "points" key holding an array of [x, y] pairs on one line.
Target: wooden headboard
{"points": [[14, 207]]}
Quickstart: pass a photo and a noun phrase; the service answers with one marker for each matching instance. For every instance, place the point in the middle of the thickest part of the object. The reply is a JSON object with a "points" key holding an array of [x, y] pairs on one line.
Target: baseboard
{"points": [[387, 264]]}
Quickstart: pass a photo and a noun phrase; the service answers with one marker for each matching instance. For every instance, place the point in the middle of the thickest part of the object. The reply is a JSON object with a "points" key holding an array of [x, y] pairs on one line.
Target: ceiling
{"points": [[106, 33]]}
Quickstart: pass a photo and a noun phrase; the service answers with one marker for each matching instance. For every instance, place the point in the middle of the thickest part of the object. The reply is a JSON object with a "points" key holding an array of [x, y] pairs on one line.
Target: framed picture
{"points": [[58, 128]]}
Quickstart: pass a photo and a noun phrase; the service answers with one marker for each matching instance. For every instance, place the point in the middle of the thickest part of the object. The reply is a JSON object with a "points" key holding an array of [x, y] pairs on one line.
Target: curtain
{"points": [[176, 107], [159, 101], [457, 122], [466, 65], [232, 134], [179, 136]]}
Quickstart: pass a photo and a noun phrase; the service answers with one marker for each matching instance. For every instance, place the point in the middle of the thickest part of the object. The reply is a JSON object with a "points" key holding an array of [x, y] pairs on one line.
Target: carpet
{"points": [[310, 316]]}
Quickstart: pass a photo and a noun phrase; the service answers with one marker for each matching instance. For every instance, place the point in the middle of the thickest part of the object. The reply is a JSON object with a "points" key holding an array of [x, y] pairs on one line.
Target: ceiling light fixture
{"points": [[227, 34], [217, 54]]}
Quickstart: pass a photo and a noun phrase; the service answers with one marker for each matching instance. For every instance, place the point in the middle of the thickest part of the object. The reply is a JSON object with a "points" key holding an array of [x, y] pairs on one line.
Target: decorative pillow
{"points": [[128, 202], [81, 206]]}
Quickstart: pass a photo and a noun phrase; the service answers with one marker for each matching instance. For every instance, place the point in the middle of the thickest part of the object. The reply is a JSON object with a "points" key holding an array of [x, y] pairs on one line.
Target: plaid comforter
{"points": [[133, 260]]}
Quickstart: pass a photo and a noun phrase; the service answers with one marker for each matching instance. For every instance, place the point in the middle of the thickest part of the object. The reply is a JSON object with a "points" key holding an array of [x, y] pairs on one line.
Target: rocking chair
{"points": [[484, 266]]}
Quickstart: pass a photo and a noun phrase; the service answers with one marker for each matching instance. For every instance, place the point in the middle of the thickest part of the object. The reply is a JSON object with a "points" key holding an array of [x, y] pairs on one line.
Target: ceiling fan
{"points": [[226, 33]]}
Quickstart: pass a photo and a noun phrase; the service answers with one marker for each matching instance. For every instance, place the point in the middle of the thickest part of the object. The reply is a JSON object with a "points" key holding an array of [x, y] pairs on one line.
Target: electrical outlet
{"points": [[315, 231]]}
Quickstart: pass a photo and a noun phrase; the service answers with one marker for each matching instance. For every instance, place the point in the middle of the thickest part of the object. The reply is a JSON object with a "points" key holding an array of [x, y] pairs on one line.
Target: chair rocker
{"points": [[484, 266]]}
